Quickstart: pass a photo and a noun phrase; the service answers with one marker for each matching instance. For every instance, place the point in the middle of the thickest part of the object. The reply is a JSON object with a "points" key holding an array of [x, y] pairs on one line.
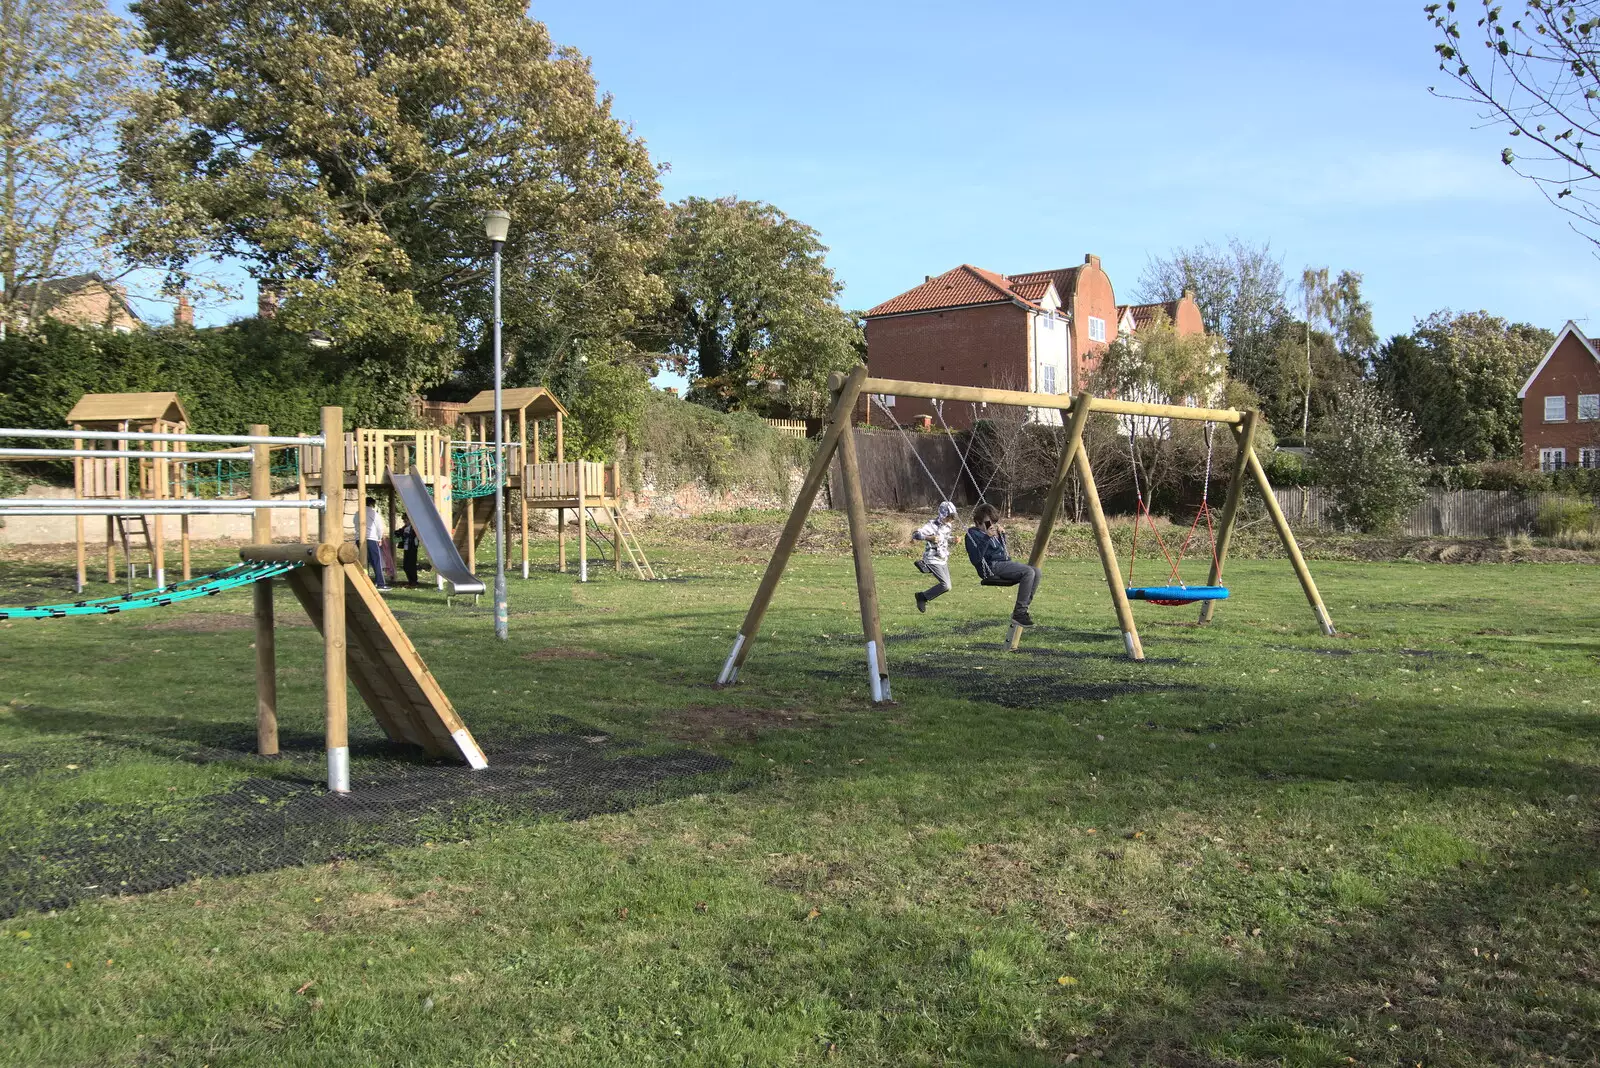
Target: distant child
{"points": [[986, 548], [935, 560], [405, 539], [372, 532]]}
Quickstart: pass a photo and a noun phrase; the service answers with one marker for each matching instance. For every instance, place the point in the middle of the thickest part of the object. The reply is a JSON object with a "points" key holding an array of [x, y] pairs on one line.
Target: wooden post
{"points": [[615, 513], [111, 549], [336, 727], [330, 525], [300, 464], [1108, 558], [847, 390], [1244, 436], [866, 578], [260, 487], [583, 529], [1058, 490], [183, 537], [77, 521], [1302, 572], [441, 492], [561, 513], [158, 490], [361, 502], [472, 535], [522, 461], [266, 669]]}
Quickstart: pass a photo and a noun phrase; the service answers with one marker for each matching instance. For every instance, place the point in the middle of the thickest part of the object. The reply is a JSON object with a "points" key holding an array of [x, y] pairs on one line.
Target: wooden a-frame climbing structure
{"points": [[847, 390]]}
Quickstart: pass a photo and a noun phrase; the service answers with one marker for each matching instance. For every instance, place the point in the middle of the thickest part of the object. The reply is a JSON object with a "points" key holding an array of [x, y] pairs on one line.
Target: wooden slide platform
{"points": [[386, 668]]}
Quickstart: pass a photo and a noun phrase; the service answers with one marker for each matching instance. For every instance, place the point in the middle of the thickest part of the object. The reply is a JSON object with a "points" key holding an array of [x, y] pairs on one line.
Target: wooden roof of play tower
{"points": [[537, 401], [128, 407]]}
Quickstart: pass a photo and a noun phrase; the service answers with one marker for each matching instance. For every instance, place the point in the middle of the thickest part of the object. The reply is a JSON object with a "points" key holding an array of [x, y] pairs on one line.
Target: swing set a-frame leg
{"points": [[1052, 502], [866, 578], [1108, 559], [1244, 436], [1302, 572], [846, 390]]}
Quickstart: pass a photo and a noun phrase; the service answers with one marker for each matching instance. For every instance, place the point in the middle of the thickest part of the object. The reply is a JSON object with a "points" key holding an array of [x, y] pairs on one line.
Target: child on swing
{"points": [[935, 560], [986, 548]]}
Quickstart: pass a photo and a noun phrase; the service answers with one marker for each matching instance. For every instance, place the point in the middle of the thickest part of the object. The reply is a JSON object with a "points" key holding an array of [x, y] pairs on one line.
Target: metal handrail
{"points": [[129, 435]]}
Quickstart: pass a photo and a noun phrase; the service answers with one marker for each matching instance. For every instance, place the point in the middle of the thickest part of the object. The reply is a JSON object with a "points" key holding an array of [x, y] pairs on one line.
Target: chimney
{"points": [[267, 297], [1188, 294], [1092, 260], [927, 278], [183, 314]]}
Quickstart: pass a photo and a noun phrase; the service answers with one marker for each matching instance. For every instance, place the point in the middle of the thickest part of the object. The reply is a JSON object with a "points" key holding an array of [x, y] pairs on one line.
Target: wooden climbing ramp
{"points": [[385, 666]]}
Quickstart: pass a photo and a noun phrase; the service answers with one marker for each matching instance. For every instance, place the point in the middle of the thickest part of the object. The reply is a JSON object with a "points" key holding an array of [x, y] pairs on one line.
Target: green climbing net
{"points": [[472, 470], [172, 593]]}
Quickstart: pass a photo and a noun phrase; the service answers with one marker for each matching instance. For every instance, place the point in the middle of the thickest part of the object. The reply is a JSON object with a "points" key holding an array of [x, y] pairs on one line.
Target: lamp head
{"points": [[497, 223]]}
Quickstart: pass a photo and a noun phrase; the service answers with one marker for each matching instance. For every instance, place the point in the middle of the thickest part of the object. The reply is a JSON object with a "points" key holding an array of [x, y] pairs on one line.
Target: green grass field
{"points": [[1262, 846]]}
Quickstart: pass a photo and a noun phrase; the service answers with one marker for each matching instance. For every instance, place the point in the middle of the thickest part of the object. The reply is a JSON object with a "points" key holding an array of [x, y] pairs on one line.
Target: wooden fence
{"points": [[891, 477], [1442, 513]]}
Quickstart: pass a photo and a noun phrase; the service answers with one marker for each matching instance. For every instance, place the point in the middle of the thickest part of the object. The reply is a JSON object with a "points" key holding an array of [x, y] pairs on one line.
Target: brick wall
{"points": [[1572, 370], [1092, 296], [983, 346]]}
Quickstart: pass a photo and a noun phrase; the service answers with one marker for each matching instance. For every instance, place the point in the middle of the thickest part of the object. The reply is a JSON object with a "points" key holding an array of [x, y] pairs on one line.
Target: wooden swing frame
{"points": [[847, 390]]}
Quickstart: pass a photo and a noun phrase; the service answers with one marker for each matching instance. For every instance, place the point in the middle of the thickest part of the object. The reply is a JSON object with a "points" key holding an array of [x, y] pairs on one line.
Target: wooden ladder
{"points": [[135, 526], [630, 545]]}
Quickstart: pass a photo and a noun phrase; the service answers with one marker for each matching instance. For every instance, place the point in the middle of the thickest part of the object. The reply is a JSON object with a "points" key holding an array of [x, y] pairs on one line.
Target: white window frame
{"points": [[1589, 457], [1552, 458], [1588, 407], [1558, 405], [1097, 328], [886, 399], [1048, 321], [1047, 378]]}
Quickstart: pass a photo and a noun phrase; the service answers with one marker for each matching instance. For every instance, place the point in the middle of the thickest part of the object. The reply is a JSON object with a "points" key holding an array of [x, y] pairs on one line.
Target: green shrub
{"points": [[722, 451], [1368, 460], [1287, 469], [227, 377], [1563, 515]]}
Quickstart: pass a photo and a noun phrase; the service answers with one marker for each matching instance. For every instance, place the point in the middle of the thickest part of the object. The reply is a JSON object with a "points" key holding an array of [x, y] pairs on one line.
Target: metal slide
{"points": [[434, 534]]}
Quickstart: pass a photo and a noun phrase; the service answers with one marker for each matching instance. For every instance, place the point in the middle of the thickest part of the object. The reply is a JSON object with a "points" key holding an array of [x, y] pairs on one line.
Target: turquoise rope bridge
{"points": [[190, 589]]}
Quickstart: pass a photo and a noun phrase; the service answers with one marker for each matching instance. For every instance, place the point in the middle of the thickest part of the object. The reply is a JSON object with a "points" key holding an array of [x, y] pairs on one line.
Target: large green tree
{"points": [[1240, 292], [66, 71], [752, 302], [348, 149], [1458, 376]]}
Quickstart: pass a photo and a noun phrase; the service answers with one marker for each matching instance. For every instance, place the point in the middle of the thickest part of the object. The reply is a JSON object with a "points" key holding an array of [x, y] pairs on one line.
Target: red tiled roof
{"points": [[1032, 291], [1144, 314], [1065, 278], [956, 288]]}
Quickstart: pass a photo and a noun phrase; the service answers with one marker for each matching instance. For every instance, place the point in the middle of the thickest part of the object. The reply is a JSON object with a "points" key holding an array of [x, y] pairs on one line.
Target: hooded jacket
{"points": [[985, 551]]}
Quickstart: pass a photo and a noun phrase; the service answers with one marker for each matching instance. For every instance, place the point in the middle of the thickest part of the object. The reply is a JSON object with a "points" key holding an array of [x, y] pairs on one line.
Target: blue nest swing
{"points": [[1177, 595]]}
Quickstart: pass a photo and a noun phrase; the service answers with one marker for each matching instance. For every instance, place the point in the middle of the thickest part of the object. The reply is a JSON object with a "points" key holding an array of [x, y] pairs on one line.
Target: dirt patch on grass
{"points": [[704, 723], [564, 653]]}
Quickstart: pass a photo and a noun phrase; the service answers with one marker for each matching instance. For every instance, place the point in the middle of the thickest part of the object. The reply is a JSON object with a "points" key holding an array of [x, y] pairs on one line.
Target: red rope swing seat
{"points": [[1177, 593]]}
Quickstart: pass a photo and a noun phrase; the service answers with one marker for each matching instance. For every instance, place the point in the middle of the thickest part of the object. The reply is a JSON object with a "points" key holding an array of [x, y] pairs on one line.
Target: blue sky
{"points": [[917, 137]]}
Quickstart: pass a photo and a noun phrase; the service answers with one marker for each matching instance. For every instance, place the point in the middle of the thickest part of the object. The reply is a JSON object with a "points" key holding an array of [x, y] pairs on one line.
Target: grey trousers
{"points": [[940, 570], [1023, 576]]}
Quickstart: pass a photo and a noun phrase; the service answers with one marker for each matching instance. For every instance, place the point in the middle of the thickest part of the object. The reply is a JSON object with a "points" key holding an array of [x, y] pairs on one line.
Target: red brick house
{"points": [[1041, 332], [1561, 405], [1183, 314]]}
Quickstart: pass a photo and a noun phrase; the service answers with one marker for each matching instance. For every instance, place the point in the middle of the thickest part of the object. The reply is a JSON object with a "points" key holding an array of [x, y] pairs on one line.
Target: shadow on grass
{"points": [[282, 815]]}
